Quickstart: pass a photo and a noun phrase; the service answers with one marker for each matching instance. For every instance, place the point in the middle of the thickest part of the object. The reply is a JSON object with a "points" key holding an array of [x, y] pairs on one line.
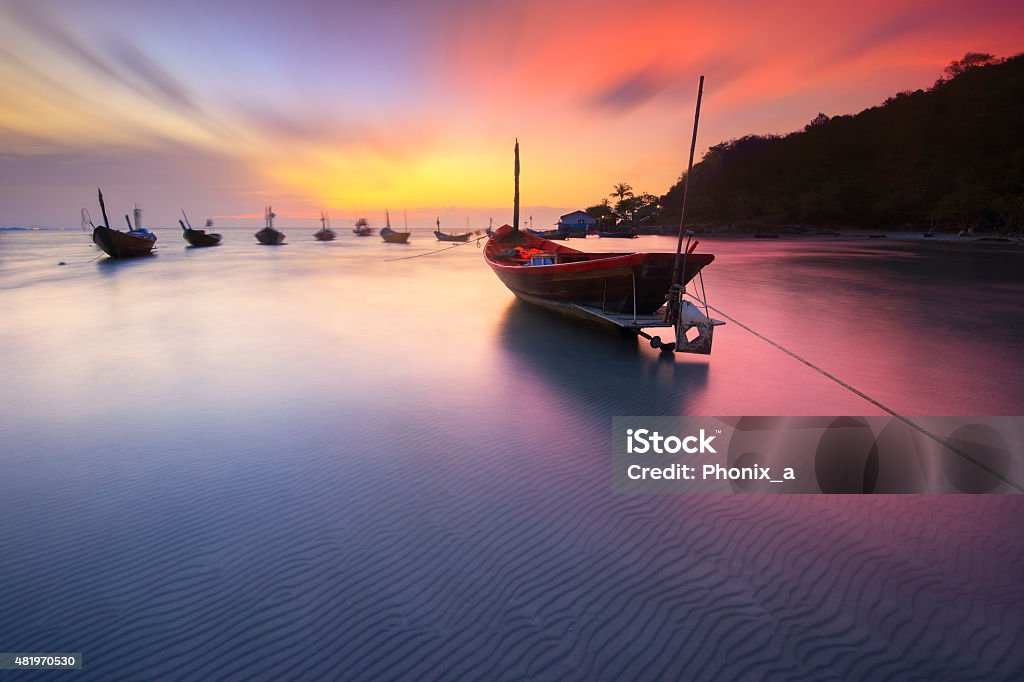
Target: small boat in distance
{"points": [[442, 237], [136, 242], [545, 234], [198, 237], [394, 236], [362, 228], [325, 233], [617, 235], [268, 236]]}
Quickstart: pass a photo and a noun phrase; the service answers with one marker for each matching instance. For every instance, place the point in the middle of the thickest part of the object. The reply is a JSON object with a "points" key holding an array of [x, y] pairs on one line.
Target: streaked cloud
{"points": [[407, 103]]}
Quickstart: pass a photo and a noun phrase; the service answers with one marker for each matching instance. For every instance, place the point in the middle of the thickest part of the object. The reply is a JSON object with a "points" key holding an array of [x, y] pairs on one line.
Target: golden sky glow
{"points": [[226, 106]]}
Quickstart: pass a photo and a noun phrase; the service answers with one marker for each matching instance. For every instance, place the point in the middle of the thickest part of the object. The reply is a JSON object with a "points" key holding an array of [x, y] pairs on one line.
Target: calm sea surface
{"points": [[312, 461]]}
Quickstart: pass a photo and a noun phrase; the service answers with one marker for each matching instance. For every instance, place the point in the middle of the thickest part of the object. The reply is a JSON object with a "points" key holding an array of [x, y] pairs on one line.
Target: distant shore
{"points": [[845, 233]]}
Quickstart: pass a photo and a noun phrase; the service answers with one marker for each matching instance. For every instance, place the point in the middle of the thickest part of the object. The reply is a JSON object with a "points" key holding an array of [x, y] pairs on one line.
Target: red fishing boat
{"points": [[325, 233], [543, 272], [628, 291]]}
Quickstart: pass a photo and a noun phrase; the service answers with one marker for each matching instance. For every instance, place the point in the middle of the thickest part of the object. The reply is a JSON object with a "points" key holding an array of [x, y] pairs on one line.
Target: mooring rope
{"points": [[430, 253], [885, 408]]}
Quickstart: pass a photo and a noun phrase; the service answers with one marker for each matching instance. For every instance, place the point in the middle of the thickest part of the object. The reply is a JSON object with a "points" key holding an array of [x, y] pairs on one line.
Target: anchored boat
{"points": [[362, 228], [198, 237], [628, 291], [325, 233], [394, 236], [137, 241], [268, 236], [542, 272], [444, 237]]}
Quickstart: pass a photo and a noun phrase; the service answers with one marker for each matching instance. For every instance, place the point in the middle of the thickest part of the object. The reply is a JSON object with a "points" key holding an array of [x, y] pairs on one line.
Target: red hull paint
{"points": [[601, 280]]}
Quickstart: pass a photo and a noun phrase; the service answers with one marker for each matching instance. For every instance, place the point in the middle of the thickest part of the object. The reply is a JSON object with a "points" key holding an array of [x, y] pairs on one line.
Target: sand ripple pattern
{"points": [[500, 564]]}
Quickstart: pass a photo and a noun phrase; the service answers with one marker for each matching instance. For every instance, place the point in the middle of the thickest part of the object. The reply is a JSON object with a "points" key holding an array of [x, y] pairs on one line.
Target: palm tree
{"points": [[622, 191]]}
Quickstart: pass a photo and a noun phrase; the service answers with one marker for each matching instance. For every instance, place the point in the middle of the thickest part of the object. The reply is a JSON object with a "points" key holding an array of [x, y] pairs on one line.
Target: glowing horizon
{"points": [[226, 107]]}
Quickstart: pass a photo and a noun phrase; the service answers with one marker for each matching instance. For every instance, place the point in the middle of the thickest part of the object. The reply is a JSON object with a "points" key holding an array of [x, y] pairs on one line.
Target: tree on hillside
{"points": [[602, 212], [950, 157], [970, 60], [818, 120]]}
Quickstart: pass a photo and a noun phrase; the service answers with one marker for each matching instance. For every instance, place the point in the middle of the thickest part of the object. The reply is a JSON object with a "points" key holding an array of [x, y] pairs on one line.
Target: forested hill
{"points": [[950, 156]]}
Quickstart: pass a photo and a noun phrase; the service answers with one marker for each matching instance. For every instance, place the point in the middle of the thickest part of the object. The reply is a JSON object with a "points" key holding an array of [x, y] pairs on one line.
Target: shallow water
{"points": [[313, 461]]}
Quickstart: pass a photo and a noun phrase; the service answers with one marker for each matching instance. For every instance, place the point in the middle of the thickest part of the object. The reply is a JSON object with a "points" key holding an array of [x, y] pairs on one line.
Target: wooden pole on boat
{"points": [[515, 200], [676, 274], [103, 208]]}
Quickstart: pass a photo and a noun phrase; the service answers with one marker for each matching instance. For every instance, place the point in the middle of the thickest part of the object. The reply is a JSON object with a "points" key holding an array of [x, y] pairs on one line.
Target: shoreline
{"points": [[842, 235]]}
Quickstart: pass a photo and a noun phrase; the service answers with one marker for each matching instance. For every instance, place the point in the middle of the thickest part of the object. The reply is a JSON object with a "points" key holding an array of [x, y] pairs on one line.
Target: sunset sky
{"points": [[224, 107]]}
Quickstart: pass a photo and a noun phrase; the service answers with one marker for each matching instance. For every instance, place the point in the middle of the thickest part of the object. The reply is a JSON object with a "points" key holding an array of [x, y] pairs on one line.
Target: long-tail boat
{"points": [[198, 237], [630, 291], [444, 237], [393, 236], [137, 241], [545, 273], [325, 233], [268, 236]]}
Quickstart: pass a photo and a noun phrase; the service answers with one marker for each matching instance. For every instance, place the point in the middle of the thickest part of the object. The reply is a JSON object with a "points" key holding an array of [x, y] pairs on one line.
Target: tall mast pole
{"points": [[515, 200], [676, 275]]}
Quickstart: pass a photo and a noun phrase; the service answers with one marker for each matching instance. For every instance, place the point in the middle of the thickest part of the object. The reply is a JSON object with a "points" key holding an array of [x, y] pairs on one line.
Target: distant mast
{"points": [[515, 200], [137, 213], [387, 218]]}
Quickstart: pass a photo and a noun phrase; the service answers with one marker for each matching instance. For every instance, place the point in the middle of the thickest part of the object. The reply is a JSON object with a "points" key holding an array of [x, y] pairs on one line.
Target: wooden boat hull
{"points": [[442, 237], [363, 232], [268, 236], [118, 244], [393, 236], [201, 238], [324, 235], [616, 282]]}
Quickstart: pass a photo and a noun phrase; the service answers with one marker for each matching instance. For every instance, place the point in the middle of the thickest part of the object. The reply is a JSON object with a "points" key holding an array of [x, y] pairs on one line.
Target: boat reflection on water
{"points": [[603, 372]]}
